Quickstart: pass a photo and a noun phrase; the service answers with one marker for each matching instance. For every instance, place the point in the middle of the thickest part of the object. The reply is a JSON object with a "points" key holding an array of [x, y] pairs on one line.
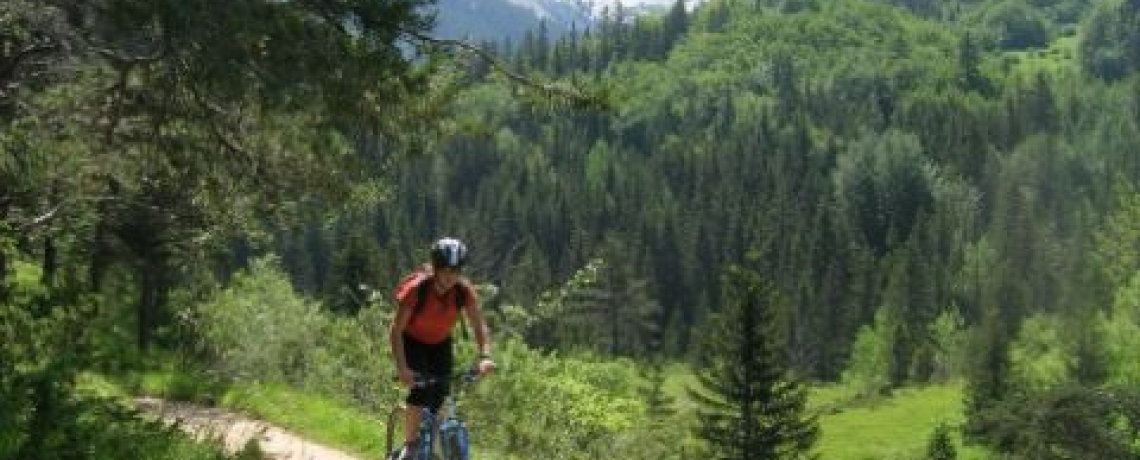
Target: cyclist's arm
{"points": [[474, 314], [396, 335]]}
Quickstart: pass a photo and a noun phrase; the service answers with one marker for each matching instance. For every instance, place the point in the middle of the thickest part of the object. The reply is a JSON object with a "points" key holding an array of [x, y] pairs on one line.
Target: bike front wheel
{"points": [[454, 440]]}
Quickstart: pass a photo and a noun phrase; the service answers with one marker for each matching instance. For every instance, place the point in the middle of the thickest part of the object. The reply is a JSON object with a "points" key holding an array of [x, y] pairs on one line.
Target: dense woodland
{"points": [[910, 191]]}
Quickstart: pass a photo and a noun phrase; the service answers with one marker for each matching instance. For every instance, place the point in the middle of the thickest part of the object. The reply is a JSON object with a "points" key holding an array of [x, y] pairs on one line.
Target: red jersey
{"points": [[433, 322]]}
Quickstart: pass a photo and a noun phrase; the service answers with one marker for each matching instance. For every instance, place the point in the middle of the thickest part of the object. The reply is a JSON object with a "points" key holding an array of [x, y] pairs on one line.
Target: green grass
{"points": [[319, 419], [316, 418], [895, 427], [898, 427], [1061, 55], [889, 428], [108, 431]]}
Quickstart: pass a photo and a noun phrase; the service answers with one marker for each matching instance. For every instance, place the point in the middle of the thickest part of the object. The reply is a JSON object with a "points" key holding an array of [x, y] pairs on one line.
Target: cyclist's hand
{"points": [[407, 377], [485, 366]]}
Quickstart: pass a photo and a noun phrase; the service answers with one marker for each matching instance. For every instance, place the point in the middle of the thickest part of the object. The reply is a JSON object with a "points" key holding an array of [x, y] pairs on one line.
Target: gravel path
{"points": [[236, 430]]}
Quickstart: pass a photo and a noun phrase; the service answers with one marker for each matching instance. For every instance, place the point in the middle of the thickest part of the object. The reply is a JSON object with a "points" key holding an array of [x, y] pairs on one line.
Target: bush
{"points": [[1122, 335], [951, 338], [941, 445], [259, 329], [555, 407], [1014, 25], [44, 344], [1066, 423], [1039, 357], [869, 369]]}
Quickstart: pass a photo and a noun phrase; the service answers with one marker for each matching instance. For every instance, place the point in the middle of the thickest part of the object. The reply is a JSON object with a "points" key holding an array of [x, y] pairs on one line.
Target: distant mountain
{"points": [[497, 20], [637, 7]]}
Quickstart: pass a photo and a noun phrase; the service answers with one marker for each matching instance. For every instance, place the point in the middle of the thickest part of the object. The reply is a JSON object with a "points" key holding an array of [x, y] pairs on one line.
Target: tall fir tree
{"points": [[750, 407]]}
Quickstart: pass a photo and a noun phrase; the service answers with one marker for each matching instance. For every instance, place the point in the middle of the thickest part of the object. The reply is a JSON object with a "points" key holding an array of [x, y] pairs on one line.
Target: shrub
{"points": [[1039, 356], [559, 407], [869, 368], [259, 328]]}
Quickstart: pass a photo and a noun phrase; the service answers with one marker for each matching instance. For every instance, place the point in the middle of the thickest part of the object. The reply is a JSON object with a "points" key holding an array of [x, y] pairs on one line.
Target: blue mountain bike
{"points": [[453, 439]]}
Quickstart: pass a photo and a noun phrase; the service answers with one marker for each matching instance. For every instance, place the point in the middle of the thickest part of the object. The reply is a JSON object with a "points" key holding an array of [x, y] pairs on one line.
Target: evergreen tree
{"points": [[941, 447], [658, 403], [676, 22], [989, 380], [970, 76], [750, 407]]}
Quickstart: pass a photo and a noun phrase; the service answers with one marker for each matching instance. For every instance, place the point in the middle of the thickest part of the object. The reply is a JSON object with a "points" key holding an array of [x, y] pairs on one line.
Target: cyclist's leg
{"points": [[416, 440], [430, 397], [411, 422], [429, 360]]}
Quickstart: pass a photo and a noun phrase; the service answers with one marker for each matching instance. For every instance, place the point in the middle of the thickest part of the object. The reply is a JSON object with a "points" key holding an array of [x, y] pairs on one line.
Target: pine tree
{"points": [[659, 405], [970, 76], [750, 408], [941, 447], [676, 24]]}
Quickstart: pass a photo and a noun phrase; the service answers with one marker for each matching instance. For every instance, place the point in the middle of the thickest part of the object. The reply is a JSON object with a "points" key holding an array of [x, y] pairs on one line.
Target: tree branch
{"points": [[571, 93], [128, 61], [215, 129], [51, 213], [8, 71]]}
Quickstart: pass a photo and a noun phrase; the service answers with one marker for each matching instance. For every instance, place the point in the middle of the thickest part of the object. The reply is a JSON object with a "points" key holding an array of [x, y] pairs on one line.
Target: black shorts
{"points": [[434, 360]]}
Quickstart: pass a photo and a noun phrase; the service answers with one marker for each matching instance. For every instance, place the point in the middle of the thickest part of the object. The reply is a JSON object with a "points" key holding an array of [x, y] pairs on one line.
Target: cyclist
{"points": [[429, 302]]}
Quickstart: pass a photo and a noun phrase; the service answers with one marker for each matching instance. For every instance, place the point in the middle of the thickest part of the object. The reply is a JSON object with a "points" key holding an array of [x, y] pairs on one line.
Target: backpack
{"points": [[422, 291]]}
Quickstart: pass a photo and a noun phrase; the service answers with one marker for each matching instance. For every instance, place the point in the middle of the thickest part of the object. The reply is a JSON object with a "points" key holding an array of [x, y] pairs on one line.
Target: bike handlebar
{"points": [[470, 375]]}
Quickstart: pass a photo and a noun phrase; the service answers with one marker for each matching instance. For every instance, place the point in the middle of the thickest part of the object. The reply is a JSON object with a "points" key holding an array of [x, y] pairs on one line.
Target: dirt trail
{"points": [[236, 430]]}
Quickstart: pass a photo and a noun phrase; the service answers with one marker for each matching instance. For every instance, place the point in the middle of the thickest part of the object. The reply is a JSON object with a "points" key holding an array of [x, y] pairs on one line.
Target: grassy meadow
{"points": [[895, 427]]}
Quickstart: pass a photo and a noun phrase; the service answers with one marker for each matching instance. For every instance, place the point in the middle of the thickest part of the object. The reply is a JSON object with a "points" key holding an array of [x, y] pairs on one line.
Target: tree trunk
{"points": [[3, 250], [50, 262], [99, 261], [3, 275], [151, 296], [146, 307]]}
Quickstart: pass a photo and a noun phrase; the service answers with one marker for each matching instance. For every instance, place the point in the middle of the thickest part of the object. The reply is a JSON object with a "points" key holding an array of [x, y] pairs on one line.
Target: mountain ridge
{"points": [[509, 20]]}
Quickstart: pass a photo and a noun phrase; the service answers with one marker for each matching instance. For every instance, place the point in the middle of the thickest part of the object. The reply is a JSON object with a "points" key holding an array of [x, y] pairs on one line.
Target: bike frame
{"points": [[452, 432]]}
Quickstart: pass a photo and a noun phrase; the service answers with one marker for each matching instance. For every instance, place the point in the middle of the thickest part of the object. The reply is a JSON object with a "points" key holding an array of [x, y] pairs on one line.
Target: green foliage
{"points": [[1118, 241], [749, 405], [989, 382], [43, 411], [259, 329], [177, 381], [172, 127], [941, 446], [1015, 25], [877, 157], [951, 342], [1109, 39], [883, 188], [543, 325], [539, 404], [38, 362], [1040, 358], [1068, 422], [898, 426], [1122, 335], [869, 368], [327, 420]]}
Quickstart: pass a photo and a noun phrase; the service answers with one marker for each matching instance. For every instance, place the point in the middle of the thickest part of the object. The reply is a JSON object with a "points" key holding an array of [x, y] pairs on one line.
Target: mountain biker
{"points": [[429, 303]]}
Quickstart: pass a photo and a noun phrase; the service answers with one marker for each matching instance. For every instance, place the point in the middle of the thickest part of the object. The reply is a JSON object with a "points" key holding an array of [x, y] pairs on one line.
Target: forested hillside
{"points": [[878, 158], [909, 192]]}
